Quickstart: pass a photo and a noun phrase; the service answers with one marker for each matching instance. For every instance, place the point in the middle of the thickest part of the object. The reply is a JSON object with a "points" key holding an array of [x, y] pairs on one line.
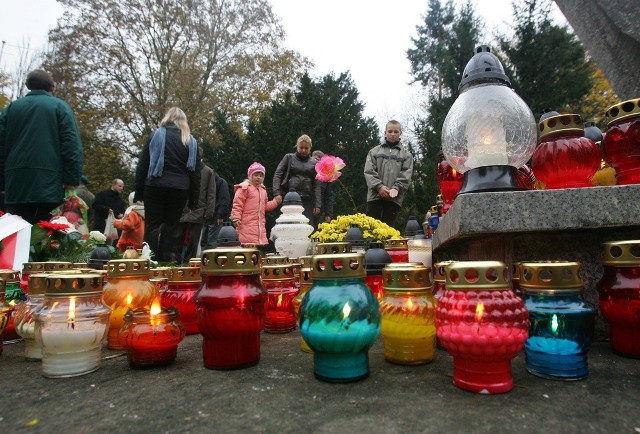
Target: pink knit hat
{"points": [[255, 167]]}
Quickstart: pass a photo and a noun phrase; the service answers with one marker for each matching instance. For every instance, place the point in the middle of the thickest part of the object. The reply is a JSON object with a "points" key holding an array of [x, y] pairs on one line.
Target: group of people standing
{"points": [[177, 196]]}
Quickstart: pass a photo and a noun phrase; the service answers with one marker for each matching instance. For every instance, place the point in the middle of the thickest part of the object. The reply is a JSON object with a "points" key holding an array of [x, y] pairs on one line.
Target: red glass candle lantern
{"points": [[128, 287], [279, 282], [184, 282], [305, 283], [439, 278], [230, 308], [565, 158], [160, 277], [449, 181], [398, 249], [482, 324], [151, 337], [621, 143], [408, 315], [375, 259], [619, 290]]}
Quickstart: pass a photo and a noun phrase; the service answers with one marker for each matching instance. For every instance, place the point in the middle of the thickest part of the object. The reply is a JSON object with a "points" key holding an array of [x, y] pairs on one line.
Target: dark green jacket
{"points": [[40, 149]]}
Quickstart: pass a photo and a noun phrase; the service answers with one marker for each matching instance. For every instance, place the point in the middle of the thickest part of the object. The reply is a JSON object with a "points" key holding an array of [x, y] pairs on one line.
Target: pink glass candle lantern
{"points": [[151, 337], [565, 158], [398, 249], [621, 143], [619, 290], [184, 282], [449, 181], [279, 282], [230, 308], [71, 325], [482, 324]]}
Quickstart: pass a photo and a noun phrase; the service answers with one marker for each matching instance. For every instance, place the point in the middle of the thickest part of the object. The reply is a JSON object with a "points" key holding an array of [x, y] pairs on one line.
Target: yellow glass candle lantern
{"points": [[408, 315]]}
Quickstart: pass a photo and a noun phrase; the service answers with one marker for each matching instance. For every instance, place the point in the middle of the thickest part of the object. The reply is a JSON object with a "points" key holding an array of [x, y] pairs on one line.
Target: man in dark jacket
{"points": [[108, 201], [40, 150], [222, 212]]}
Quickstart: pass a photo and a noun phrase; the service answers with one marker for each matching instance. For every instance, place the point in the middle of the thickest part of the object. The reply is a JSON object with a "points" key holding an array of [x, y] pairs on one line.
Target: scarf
{"points": [[137, 207], [156, 153]]}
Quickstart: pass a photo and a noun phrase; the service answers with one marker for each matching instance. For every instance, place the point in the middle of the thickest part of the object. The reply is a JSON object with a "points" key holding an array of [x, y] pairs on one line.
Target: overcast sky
{"points": [[368, 38]]}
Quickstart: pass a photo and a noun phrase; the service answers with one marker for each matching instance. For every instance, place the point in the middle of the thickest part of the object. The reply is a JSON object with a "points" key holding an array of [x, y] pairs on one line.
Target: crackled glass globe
{"points": [[488, 125]]}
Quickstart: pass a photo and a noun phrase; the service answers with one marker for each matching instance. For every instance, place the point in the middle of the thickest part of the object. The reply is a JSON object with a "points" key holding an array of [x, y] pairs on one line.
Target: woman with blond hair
{"points": [[167, 178], [297, 172]]}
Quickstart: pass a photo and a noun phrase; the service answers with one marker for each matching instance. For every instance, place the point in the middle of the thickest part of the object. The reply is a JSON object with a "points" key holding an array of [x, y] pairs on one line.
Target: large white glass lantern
{"points": [[489, 131]]}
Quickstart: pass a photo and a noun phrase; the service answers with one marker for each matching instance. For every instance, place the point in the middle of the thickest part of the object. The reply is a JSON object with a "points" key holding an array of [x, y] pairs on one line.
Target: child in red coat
{"points": [[132, 226], [250, 202]]}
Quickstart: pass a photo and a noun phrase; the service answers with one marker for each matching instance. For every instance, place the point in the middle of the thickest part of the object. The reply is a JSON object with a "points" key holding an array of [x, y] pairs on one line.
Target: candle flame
{"points": [[408, 305], [346, 310], [479, 312], [155, 307], [129, 299], [12, 303], [72, 309], [279, 301], [454, 172], [554, 323]]}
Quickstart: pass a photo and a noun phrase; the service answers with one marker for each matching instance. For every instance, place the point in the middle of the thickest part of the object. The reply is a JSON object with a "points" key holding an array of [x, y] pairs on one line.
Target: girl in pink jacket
{"points": [[250, 203]]}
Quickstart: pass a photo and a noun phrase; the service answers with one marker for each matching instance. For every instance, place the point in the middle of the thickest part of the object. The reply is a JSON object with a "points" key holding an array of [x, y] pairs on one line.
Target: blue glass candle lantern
{"points": [[561, 322], [339, 318]]}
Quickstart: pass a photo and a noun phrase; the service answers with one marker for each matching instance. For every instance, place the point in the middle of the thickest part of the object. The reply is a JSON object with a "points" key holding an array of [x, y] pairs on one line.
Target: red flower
{"points": [[1, 213], [51, 227]]}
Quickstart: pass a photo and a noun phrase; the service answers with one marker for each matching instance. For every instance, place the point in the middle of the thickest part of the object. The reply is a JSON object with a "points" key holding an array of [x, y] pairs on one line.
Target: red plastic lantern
{"points": [[449, 181], [621, 143], [398, 249], [230, 308], [619, 291], [184, 282], [565, 158], [279, 282], [151, 337], [482, 324]]}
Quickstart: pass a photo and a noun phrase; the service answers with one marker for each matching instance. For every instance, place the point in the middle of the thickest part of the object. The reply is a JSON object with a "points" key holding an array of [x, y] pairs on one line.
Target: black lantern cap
{"points": [[228, 236], [375, 258], [354, 235], [484, 66], [412, 227], [292, 198]]}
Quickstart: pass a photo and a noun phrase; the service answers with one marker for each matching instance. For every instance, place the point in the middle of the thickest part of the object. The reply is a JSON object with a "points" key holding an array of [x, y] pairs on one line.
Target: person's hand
{"points": [[316, 211], [278, 199], [120, 216], [219, 221], [110, 211], [327, 218], [383, 192], [393, 193], [236, 222]]}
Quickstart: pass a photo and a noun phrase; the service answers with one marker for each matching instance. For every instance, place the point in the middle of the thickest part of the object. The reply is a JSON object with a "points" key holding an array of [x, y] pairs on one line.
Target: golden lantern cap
{"points": [[271, 259], [11, 276], [66, 285], [231, 261], [332, 248], [277, 272], [396, 243], [339, 266], [39, 267], [159, 272], [515, 270], [439, 199], [434, 210], [439, 271], [185, 274], [623, 110], [128, 267], [476, 275], [408, 278], [195, 262], [550, 276], [37, 283], [622, 253], [560, 123]]}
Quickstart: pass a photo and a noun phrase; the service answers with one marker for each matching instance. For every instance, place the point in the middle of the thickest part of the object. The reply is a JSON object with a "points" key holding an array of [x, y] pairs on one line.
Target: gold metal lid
{"points": [[332, 248], [61, 285], [185, 274], [250, 246], [128, 267], [550, 276], [37, 283], [439, 271], [515, 270], [396, 243], [195, 262], [11, 276], [39, 267], [231, 261], [277, 272], [561, 123], [305, 262], [408, 278], [623, 110], [159, 272], [340, 266], [439, 199], [271, 259], [434, 209], [78, 265], [622, 253], [481, 275]]}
